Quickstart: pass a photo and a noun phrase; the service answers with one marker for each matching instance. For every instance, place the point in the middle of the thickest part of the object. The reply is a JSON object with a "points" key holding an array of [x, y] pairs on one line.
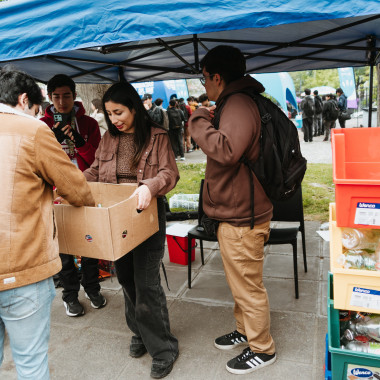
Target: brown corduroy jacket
{"points": [[157, 167], [31, 163]]}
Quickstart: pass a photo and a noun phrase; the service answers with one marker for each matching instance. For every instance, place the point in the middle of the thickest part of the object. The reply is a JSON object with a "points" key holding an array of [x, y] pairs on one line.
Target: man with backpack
{"points": [[227, 198], [330, 113], [176, 123], [308, 110], [186, 135], [342, 105], [154, 112], [318, 126]]}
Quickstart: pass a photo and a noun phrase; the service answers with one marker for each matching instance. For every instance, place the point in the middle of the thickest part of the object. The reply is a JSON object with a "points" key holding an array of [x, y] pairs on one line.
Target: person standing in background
{"points": [[98, 115], [342, 105], [79, 138], [308, 110], [318, 126]]}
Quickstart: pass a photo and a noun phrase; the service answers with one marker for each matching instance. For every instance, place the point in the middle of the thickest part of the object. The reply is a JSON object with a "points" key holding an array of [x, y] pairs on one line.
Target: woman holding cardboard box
{"points": [[135, 149]]}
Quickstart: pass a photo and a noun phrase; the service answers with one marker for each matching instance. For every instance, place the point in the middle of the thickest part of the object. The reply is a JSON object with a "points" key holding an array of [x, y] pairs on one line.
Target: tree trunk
{"points": [[88, 92]]}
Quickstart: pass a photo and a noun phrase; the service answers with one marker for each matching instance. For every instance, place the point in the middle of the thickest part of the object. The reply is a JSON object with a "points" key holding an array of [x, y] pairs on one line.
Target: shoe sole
{"points": [[244, 371], [94, 306], [71, 314], [230, 347]]}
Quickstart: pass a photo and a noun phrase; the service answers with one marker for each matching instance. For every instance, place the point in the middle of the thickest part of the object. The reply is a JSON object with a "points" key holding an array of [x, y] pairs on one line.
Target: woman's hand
{"points": [[143, 197]]}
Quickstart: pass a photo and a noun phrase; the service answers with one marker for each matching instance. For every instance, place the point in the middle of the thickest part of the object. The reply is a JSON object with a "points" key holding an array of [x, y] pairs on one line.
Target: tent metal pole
{"points": [[196, 53], [121, 74], [370, 95], [371, 56]]}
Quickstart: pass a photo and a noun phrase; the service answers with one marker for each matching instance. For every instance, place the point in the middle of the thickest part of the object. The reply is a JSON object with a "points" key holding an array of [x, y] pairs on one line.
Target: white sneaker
{"points": [[182, 158]]}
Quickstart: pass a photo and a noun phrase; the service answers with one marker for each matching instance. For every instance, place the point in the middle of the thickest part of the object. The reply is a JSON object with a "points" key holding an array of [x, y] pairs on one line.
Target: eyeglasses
{"points": [[203, 79]]}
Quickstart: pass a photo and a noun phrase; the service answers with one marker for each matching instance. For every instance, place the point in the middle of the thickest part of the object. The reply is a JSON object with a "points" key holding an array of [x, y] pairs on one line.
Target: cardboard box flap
{"points": [[108, 194]]}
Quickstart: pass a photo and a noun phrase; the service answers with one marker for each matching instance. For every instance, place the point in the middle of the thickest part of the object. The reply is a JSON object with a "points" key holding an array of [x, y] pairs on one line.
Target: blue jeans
{"points": [[25, 314]]}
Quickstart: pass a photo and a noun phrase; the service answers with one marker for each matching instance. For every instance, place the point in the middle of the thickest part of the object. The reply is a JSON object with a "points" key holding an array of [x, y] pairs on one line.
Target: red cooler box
{"points": [[176, 236], [356, 172]]}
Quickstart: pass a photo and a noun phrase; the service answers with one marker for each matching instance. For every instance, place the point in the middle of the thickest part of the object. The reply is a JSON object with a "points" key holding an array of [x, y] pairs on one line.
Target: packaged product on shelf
{"points": [[360, 331], [369, 347], [361, 249], [353, 238]]}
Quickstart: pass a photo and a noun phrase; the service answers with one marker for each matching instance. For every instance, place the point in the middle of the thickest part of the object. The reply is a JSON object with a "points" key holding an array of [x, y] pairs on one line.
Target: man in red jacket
{"points": [[79, 136]]}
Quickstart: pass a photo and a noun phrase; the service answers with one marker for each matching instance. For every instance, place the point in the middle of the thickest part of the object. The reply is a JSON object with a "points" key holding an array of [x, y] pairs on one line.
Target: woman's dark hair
{"points": [[13, 83], [125, 94], [227, 61], [97, 103]]}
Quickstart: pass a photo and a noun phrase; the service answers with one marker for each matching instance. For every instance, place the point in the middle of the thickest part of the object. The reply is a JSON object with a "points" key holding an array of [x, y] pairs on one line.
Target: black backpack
{"points": [[280, 167], [318, 105], [308, 106], [332, 110], [183, 108]]}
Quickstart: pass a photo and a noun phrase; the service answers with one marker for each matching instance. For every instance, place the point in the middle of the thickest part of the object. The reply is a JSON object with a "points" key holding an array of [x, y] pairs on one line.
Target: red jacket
{"points": [[88, 129]]}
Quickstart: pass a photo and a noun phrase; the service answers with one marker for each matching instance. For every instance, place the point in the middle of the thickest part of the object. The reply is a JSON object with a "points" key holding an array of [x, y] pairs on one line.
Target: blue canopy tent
{"points": [[280, 86], [110, 40]]}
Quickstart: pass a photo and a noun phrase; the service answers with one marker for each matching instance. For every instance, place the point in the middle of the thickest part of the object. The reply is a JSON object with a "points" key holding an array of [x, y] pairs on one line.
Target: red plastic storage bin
{"points": [[356, 172], [177, 247]]}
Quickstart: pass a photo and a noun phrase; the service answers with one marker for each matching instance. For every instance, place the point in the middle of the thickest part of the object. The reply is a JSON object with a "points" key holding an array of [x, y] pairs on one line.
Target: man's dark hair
{"points": [[227, 61], [190, 98], [14, 83], [307, 91], [315, 92], [158, 101], [173, 102], [202, 98], [339, 91], [60, 80]]}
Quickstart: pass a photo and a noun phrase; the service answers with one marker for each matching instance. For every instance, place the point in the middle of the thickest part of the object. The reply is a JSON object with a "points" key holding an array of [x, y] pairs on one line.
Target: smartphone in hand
{"points": [[62, 118]]}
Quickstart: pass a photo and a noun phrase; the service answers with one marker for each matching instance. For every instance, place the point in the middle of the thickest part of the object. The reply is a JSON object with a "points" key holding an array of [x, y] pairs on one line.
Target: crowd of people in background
{"points": [[319, 114], [175, 120]]}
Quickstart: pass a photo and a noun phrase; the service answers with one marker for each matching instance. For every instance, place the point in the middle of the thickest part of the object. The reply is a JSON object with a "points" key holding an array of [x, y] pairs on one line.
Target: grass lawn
{"points": [[317, 187]]}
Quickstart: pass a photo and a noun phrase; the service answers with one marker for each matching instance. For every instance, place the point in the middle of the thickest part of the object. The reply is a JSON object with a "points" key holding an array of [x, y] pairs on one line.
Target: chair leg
{"points": [[201, 244], [304, 249], [294, 244], [189, 242]]}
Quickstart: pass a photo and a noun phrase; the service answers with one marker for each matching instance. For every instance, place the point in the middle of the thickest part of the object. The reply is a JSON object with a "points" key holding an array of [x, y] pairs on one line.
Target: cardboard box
{"points": [[107, 232]]}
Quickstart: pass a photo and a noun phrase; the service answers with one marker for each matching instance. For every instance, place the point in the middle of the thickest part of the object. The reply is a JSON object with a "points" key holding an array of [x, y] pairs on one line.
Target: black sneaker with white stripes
{"points": [[231, 340], [249, 361]]}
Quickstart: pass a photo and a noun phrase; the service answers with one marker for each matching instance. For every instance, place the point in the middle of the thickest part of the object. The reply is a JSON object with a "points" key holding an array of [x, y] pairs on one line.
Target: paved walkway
{"points": [[95, 346], [318, 151]]}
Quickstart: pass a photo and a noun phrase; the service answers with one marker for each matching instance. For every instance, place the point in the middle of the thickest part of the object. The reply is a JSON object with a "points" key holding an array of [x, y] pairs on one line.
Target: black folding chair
{"points": [[199, 233], [290, 210]]}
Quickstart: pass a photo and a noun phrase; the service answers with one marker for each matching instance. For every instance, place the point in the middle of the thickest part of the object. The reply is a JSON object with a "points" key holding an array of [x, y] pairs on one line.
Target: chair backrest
{"points": [[290, 210], [200, 205]]}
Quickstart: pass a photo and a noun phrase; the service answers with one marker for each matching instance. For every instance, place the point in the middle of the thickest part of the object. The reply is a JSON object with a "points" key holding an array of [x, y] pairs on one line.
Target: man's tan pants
{"points": [[242, 251]]}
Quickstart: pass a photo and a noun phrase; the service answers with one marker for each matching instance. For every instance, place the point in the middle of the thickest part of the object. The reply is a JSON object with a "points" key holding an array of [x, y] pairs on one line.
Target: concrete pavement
{"points": [[95, 346]]}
